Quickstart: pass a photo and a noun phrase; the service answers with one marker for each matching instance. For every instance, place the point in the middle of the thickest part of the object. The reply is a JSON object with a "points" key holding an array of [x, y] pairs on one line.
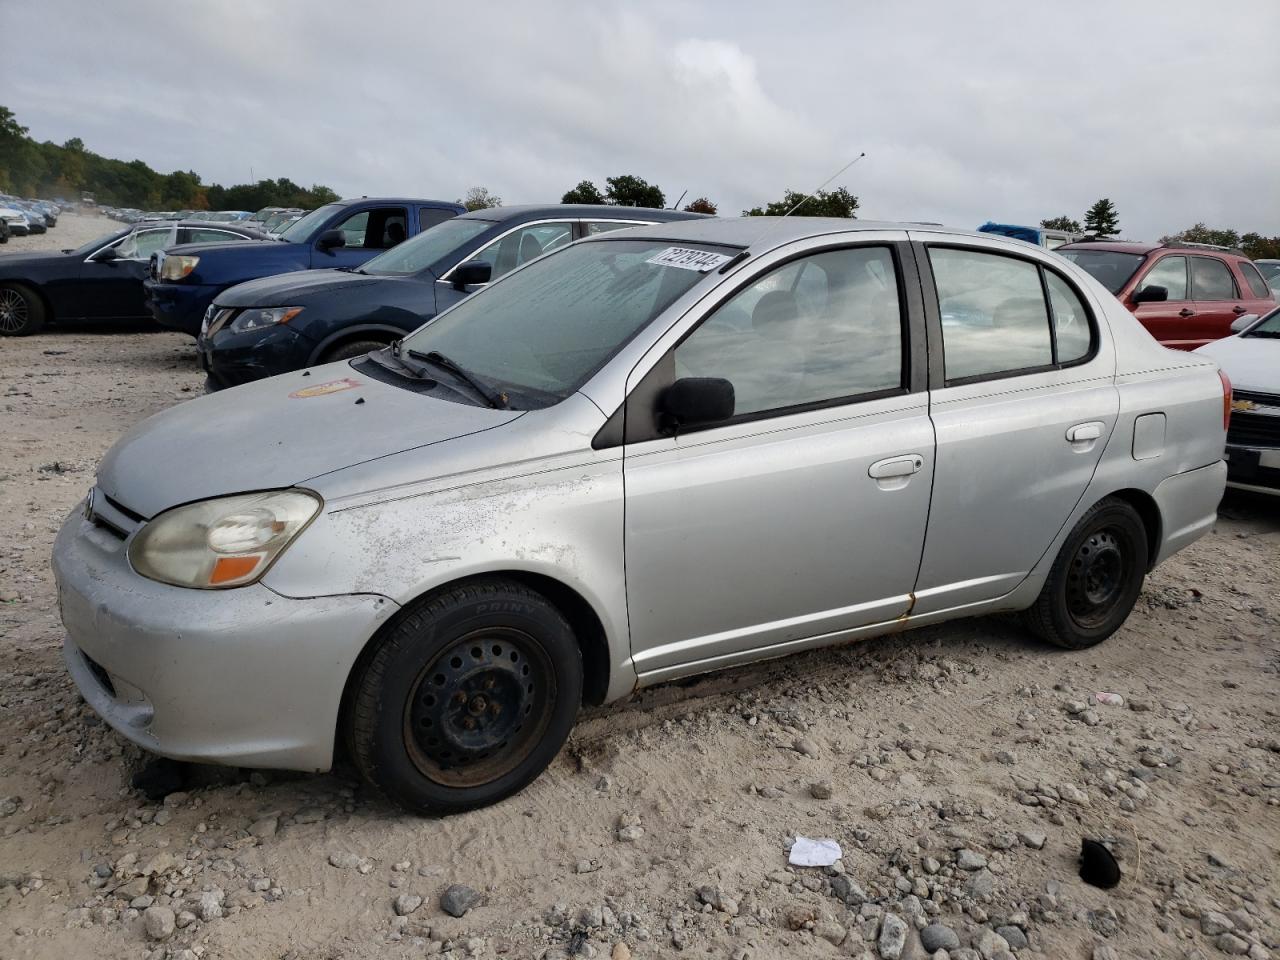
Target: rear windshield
{"points": [[1110, 268], [539, 333], [427, 248]]}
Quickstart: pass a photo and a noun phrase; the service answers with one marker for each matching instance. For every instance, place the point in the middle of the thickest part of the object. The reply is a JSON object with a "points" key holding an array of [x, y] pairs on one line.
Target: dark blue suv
{"points": [[185, 279], [287, 322]]}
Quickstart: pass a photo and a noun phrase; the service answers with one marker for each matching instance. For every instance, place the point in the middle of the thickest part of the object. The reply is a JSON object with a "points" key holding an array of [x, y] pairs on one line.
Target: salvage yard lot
{"points": [[907, 750]]}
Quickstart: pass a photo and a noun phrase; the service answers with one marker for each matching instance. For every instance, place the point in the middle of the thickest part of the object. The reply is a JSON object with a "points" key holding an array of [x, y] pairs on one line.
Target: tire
{"points": [[21, 311], [1095, 579], [466, 698], [356, 348]]}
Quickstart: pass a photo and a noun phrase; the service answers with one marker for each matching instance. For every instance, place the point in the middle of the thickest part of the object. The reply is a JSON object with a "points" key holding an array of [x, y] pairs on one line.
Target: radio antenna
{"points": [[676, 205], [805, 199]]}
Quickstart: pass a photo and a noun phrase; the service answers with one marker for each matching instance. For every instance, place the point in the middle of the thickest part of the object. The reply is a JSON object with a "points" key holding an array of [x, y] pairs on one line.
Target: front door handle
{"points": [[896, 467], [1237, 309], [1085, 432], [1186, 312]]}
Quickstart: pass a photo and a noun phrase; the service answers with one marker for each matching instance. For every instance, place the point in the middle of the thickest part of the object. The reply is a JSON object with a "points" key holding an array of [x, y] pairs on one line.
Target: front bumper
{"points": [[244, 677], [179, 306], [231, 358]]}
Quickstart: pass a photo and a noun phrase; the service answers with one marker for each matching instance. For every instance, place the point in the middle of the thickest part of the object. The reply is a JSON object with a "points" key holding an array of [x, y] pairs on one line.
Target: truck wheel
{"points": [[1095, 579], [467, 698], [356, 348], [21, 311]]}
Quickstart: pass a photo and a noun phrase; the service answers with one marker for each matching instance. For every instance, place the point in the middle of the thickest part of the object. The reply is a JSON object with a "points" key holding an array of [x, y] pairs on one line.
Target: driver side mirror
{"points": [[1151, 294], [331, 239], [106, 255], [1243, 323], [692, 401], [472, 273]]}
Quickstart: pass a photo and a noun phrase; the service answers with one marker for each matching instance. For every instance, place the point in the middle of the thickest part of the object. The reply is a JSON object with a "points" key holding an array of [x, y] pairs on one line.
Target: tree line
{"points": [[30, 168]]}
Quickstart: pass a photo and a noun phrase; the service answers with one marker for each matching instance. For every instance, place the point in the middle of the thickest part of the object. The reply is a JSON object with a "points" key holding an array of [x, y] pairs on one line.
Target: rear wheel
{"points": [[356, 348], [467, 698], [21, 311], [1095, 579]]}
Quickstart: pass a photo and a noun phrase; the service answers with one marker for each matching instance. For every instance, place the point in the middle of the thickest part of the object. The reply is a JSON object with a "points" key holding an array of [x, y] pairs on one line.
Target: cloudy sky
{"points": [[967, 111]]}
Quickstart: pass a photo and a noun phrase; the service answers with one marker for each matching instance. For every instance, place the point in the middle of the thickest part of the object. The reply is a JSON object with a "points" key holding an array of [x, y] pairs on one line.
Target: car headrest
{"points": [[774, 309]]}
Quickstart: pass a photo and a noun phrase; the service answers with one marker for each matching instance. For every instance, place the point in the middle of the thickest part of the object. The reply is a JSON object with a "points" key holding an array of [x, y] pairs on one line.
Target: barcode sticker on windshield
{"points": [[686, 259]]}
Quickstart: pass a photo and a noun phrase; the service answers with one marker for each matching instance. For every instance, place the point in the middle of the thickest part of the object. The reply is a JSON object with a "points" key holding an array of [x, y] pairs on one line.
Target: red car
{"points": [[1186, 295]]}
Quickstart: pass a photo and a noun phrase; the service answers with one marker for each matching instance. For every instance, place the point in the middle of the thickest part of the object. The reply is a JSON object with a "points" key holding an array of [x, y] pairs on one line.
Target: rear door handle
{"points": [[1186, 312], [896, 467], [1085, 432]]}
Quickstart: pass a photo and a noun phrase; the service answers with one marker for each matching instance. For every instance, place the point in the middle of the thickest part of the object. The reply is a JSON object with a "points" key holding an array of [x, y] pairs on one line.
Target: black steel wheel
{"points": [[1095, 579], [465, 698], [21, 311]]}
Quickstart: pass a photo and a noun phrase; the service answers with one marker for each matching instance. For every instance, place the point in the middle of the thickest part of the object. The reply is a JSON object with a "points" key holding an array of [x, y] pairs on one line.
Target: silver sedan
{"points": [[652, 453]]}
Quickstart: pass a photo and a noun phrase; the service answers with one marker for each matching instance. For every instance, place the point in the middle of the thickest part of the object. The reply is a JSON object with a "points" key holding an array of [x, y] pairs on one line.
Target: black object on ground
{"points": [[161, 777], [1098, 867]]}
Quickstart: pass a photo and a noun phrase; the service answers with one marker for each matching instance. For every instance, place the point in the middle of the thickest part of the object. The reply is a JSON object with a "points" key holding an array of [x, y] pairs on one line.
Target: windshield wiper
{"points": [[498, 401]]}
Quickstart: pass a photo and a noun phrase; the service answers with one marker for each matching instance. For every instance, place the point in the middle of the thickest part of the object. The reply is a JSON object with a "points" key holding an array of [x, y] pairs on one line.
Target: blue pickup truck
{"points": [[184, 280]]}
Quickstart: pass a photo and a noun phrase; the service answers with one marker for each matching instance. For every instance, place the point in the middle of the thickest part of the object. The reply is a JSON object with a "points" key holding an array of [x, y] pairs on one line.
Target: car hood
{"points": [[1252, 363], [286, 289], [13, 264], [275, 433]]}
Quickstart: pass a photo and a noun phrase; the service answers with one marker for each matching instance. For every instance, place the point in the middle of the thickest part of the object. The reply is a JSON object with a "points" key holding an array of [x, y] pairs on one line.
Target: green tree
{"points": [[701, 205], [1101, 220], [584, 192], [1062, 223], [1202, 234], [630, 191], [1258, 247], [479, 198], [834, 203]]}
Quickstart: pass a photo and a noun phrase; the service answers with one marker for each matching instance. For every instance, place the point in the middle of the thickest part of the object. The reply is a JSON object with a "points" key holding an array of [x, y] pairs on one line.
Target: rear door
{"points": [[1173, 321], [1022, 401], [804, 514], [1259, 298], [1217, 297]]}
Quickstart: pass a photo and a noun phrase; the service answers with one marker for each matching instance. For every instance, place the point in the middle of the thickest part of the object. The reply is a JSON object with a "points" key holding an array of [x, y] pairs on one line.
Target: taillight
{"points": [[1226, 399]]}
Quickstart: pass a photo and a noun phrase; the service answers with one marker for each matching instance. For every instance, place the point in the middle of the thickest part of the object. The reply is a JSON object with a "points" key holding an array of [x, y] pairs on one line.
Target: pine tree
{"points": [[1101, 220]]}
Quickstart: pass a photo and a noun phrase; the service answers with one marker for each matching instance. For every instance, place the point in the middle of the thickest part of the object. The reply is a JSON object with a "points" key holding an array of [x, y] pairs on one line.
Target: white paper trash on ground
{"points": [[814, 853]]}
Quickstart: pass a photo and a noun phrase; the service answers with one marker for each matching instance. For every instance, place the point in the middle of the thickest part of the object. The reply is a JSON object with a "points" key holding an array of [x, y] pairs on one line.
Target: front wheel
{"points": [[1095, 579], [467, 698]]}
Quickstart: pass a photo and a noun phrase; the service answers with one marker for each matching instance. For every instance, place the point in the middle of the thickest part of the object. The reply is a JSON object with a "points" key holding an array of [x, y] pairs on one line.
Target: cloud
{"points": [[1004, 110]]}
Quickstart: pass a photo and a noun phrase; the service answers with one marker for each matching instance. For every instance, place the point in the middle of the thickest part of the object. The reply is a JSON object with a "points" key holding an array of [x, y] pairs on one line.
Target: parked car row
{"points": [[614, 458], [19, 218]]}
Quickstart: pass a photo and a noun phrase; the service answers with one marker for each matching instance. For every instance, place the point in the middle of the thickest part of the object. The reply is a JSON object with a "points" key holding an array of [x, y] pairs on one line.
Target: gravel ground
{"points": [[957, 766]]}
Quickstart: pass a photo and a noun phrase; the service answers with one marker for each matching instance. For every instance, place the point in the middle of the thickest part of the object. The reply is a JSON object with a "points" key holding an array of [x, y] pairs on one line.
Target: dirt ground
{"points": [[958, 767]]}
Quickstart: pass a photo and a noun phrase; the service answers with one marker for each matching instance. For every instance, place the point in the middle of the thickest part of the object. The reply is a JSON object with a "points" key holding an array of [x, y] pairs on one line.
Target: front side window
{"points": [[1110, 268], [1211, 279], [820, 328], [520, 246], [1170, 273], [541, 333], [141, 244]]}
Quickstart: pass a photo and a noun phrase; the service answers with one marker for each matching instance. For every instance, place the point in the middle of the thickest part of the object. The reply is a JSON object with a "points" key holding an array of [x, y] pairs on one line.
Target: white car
{"points": [[1251, 359]]}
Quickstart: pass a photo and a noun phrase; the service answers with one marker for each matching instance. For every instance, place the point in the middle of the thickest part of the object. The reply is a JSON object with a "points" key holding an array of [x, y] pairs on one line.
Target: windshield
{"points": [[300, 230], [430, 246], [539, 333], [1269, 327], [1110, 268]]}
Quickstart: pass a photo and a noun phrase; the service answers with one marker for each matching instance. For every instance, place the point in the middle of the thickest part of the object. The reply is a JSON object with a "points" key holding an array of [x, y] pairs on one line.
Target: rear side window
{"points": [[429, 216], [1211, 280], [1257, 286], [204, 235], [595, 227], [1170, 273], [1002, 315]]}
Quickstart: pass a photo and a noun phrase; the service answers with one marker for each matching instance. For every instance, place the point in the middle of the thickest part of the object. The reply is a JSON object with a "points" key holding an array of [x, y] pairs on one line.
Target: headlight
{"points": [[258, 317], [227, 542], [175, 268]]}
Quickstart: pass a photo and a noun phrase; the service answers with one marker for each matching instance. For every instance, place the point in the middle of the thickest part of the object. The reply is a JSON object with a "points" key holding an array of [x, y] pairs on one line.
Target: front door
{"points": [[367, 233], [1173, 321], [1022, 409], [804, 513], [112, 289]]}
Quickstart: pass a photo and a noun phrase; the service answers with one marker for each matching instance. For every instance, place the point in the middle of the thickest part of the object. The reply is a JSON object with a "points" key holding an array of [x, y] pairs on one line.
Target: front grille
{"points": [[113, 516], [1253, 430]]}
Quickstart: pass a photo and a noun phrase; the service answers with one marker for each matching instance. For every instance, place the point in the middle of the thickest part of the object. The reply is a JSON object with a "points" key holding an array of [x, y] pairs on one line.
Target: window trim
{"points": [[1191, 282], [447, 276], [638, 429], [933, 317]]}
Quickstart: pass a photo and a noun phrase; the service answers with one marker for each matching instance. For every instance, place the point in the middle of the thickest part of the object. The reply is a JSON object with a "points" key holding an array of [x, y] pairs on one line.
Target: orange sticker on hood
{"points": [[320, 389]]}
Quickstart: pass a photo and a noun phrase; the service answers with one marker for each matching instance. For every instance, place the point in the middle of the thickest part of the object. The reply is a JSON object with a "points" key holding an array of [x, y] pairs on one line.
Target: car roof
{"points": [[1142, 249], [405, 200], [586, 211], [218, 225], [747, 231]]}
